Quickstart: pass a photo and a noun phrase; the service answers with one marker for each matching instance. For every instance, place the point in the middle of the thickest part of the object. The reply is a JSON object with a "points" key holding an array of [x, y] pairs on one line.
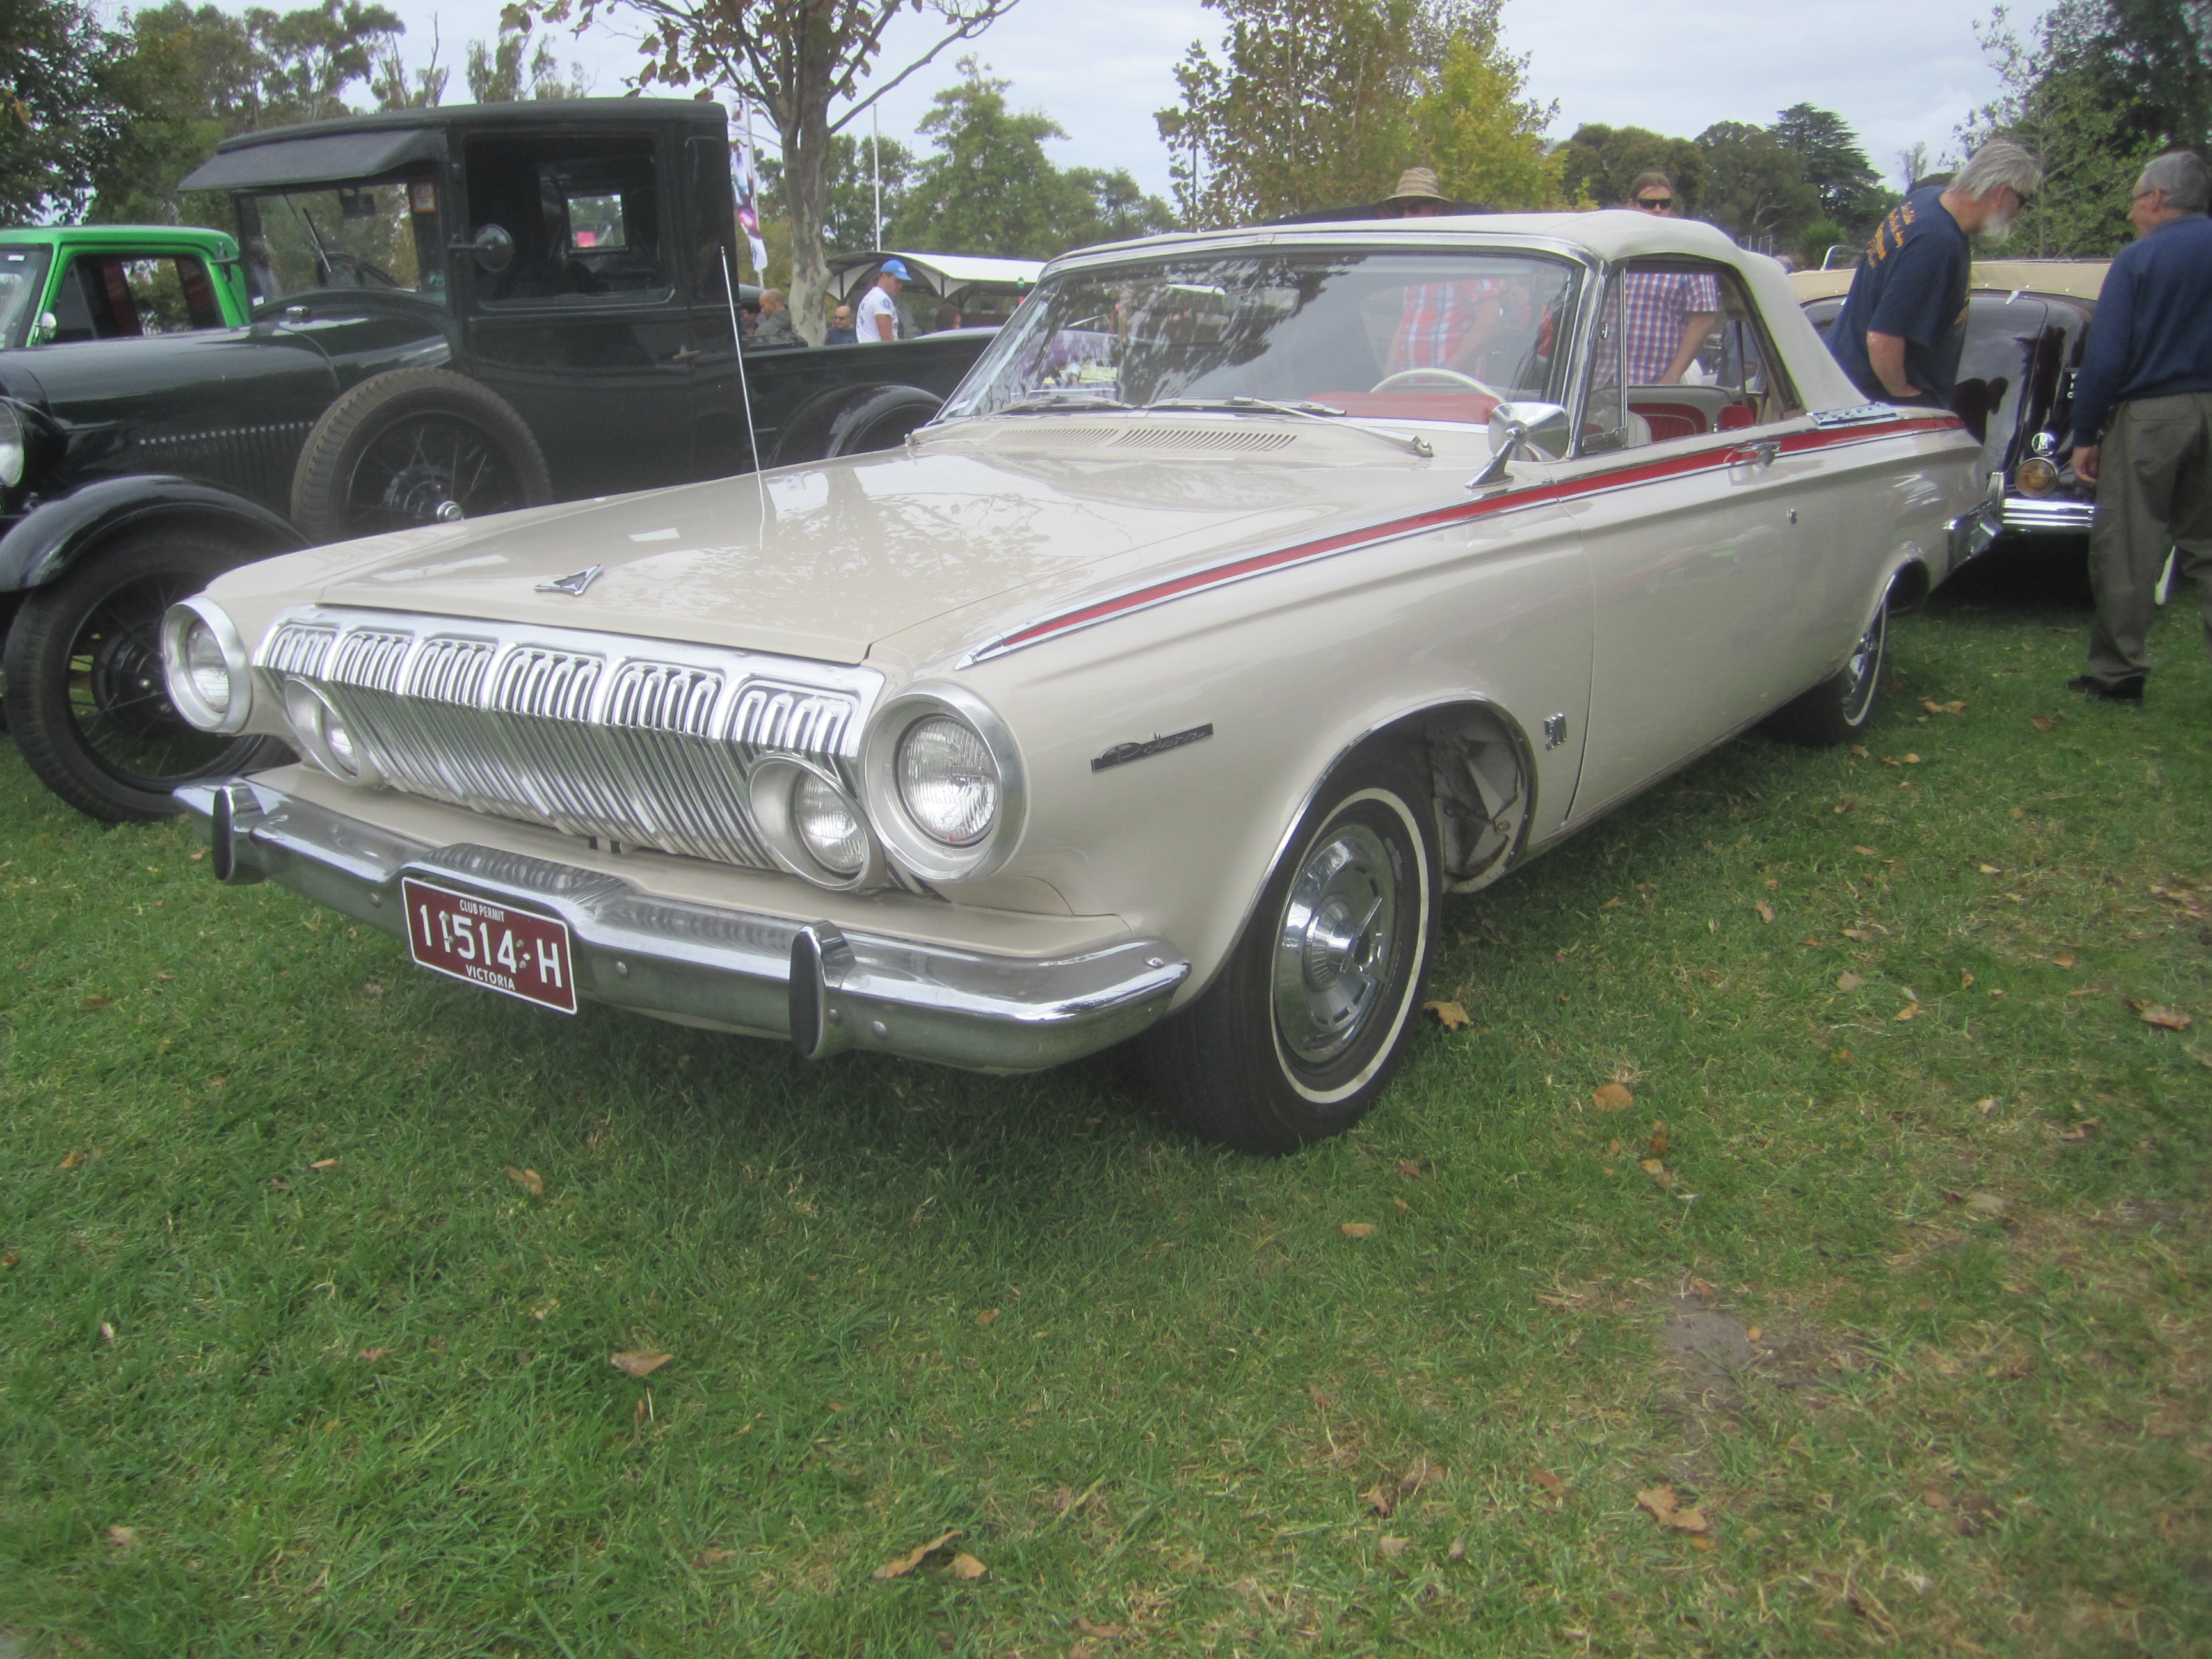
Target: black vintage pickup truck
{"points": [[458, 310]]}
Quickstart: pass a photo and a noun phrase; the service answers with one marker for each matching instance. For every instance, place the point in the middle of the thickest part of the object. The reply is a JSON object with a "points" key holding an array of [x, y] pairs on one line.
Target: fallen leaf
{"points": [[1860, 750], [1965, 980], [1866, 851], [1699, 1541], [197, 857], [2166, 1020], [1913, 760], [1752, 1333], [2043, 722], [1858, 934], [988, 1317], [1402, 1204], [1765, 910], [1910, 1011], [1988, 1204], [1989, 870], [1843, 805], [107, 1332], [1657, 1146], [1613, 1148], [1611, 1097], [2074, 1132], [324, 1164], [1357, 1229], [967, 1566], [546, 1309], [1104, 1632], [2062, 961], [372, 1353], [1848, 982], [1449, 1015], [528, 1180], [1888, 761], [1392, 1547], [1546, 1479], [72, 1160], [713, 1557], [10, 1259], [914, 1557], [1382, 1499], [1409, 1169], [638, 1414], [95, 1002], [1663, 1506], [1458, 1549], [123, 1537], [639, 1361]]}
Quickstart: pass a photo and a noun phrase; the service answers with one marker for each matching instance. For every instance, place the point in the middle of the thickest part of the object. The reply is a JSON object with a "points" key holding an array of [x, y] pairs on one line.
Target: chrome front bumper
{"points": [[824, 989], [2048, 514]]}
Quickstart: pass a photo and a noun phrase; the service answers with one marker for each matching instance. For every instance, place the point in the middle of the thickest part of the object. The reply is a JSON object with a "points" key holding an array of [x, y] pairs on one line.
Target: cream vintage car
{"points": [[1256, 591]]}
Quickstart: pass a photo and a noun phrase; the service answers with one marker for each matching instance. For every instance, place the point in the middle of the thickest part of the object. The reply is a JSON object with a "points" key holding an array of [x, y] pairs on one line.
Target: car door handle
{"points": [[683, 354], [1762, 453]]}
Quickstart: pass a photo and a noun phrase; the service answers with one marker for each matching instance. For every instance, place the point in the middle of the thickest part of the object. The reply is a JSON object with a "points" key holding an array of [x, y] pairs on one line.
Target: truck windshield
{"points": [[371, 236], [1415, 334], [23, 279]]}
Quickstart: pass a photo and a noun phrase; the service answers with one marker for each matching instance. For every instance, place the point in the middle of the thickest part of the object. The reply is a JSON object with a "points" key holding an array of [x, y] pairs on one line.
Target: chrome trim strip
{"points": [[639, 742], [724, 968], [2027, 513]]}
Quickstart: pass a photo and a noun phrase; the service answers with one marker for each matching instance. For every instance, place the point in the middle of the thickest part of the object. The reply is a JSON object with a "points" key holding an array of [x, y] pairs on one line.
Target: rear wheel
{"points": [[87, 702], [415, 446], [1841, 707], [1315, 1008]]}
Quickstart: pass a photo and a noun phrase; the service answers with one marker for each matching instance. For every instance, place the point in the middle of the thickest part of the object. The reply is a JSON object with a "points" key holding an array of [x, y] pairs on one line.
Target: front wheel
{"points": [[1841, 707], [1313, 1010], [87, 702]]}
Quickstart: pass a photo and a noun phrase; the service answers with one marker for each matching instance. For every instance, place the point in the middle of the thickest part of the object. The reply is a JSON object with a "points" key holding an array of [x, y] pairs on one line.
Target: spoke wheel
{"points": [[1303, 1027], [87, 703], [415, 446]]}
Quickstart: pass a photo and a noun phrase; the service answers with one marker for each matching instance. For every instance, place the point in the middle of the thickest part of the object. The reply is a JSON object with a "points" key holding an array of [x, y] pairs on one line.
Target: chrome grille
{"points": [[639, 742]]}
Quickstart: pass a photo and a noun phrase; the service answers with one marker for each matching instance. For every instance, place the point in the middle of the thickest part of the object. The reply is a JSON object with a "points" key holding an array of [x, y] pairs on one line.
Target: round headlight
{"points": [[947, 780], [828, 826], [2036, 476], [204, 662], [322, 732], [11, 446]]}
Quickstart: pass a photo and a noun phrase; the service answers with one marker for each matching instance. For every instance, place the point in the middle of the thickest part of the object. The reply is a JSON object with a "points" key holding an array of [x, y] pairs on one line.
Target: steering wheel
{"points": [[339, 256], [1448, 376]]}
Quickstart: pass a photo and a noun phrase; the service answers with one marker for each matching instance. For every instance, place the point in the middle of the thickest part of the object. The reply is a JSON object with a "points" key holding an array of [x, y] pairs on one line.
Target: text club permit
{"points": [[485, 944]]}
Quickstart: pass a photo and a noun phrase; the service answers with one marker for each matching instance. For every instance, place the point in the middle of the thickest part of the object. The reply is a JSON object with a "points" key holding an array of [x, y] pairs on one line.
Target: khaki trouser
{"points": [[2154, 491]]}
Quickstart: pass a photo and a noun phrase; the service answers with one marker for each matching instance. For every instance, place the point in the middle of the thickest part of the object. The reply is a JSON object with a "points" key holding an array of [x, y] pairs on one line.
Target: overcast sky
{"points": [[1900, 71]]}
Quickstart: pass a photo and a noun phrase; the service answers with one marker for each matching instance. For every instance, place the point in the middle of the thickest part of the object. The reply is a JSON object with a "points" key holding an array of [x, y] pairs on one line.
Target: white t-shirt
{"points": [[873, 304]]}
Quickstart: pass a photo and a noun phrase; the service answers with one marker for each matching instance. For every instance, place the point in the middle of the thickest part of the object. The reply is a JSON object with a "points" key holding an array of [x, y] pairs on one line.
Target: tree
{"points": [[1852, 195], [1755, 187], [2162, 51], [496, 73], [59, 110], [990, 189], [1478, 128], [848, 215], [1310, 107], [388, 78], [1598, 163], [795, 59]]}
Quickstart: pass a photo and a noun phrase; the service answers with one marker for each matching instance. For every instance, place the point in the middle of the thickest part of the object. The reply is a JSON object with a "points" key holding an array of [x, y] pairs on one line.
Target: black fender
{"points": [[43, 543], [812, 431]]}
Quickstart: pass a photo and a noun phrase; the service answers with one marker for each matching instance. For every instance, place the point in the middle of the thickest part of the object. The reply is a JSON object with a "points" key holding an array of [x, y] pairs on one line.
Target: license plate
{"points": [[511, 951]]}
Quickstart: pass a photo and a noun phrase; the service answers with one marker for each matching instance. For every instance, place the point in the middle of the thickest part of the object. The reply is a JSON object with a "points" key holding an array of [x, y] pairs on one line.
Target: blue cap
{"points": [[893, 268]]}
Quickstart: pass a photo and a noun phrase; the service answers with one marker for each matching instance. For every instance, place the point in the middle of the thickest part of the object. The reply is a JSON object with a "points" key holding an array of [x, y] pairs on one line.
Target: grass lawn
{"points": [[1884, 1283]]}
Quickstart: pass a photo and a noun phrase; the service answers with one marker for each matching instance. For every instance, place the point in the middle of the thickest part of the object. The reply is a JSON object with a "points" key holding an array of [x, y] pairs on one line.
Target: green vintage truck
{"points": [[61, 283]]}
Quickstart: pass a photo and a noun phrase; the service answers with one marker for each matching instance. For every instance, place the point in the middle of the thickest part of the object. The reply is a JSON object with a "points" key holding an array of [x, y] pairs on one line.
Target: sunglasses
{"points": [[1654, 204]]}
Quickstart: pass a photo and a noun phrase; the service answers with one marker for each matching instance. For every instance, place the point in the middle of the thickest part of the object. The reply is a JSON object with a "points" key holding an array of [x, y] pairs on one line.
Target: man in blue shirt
{"points": [[2145, 390], [1904, 323]]}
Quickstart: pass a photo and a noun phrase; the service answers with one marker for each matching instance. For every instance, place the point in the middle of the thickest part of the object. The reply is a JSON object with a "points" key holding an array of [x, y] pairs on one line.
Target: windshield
{"points": [[1419, 335], [372, 236], [22, 278]]}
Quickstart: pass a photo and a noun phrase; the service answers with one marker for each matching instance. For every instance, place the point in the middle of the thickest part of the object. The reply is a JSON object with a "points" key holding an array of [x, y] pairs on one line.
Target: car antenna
{"points": [[744, 392]]}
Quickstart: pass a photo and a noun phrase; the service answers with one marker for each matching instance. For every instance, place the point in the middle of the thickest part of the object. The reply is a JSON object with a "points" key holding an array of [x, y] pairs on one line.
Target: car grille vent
{"points": [[581, 732], [255, 460], [1050, 435], [1242, 440]]}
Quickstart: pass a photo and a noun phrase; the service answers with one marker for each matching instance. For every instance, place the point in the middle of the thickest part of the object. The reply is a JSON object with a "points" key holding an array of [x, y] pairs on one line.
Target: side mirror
{"points": [[1539, 430], [45, 328], [493, 247]]}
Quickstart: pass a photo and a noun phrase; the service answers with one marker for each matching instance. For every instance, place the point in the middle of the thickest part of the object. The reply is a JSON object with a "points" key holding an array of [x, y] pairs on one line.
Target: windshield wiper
{"points": [[1308, 410], [1036, 403]]}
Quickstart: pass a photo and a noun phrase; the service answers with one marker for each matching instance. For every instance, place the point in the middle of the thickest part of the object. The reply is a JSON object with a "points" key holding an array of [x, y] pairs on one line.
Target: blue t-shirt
{"points": [[1912, 282]]}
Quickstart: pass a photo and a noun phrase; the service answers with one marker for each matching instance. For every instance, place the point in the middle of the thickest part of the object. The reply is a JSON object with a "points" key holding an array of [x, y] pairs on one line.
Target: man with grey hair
{"points": [[1904, 323], [2142, 422]]}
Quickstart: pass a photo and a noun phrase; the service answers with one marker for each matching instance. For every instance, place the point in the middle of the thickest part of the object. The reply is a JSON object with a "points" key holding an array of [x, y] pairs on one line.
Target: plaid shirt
{"points": [[1437, 317], [1655, 306]]}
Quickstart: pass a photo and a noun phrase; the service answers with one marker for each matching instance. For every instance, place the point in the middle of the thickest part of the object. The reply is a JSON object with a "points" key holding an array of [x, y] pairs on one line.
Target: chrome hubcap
{"points": [[1333, 949], [1864, 669]]}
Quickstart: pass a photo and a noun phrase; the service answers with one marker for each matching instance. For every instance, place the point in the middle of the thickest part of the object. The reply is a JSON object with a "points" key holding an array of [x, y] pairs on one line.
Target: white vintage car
{"points": [[1254, 591]]}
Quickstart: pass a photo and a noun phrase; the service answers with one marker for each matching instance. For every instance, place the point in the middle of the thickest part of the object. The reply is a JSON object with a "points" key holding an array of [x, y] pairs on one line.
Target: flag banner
{"points": [[745, 177]]}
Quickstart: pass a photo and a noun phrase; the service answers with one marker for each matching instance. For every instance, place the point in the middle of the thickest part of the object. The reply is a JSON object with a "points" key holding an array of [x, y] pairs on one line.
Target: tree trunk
{"points": [[805, 183]]}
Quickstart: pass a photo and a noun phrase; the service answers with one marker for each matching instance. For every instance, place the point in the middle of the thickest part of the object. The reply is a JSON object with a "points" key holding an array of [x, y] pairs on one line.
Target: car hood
{"points": [[826, 561]]}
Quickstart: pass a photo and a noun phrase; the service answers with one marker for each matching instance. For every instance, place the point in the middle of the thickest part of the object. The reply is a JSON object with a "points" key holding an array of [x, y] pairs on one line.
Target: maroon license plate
{"points": [[488, 944]]}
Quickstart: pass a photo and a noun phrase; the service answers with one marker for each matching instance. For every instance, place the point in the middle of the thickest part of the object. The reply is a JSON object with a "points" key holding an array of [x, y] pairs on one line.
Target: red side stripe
{"points": [[1712, 458]]}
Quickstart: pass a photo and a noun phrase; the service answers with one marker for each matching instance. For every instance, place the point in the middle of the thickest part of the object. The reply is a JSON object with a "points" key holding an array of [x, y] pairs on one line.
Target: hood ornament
{"points": [[574, 585]]}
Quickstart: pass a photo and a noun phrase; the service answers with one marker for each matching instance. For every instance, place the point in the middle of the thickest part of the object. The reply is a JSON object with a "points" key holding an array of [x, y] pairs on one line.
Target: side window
{"points": [[1679, 353], [584, 214], [712, 207], [108, 296]]}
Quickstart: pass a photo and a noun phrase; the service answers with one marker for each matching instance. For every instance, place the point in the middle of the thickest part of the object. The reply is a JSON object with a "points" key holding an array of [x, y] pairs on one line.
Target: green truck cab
{"points": [[64, 283]]}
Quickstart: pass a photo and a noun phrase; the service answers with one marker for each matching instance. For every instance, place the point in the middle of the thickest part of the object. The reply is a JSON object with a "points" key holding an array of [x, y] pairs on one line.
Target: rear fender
{"points": [[41, 546]]}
